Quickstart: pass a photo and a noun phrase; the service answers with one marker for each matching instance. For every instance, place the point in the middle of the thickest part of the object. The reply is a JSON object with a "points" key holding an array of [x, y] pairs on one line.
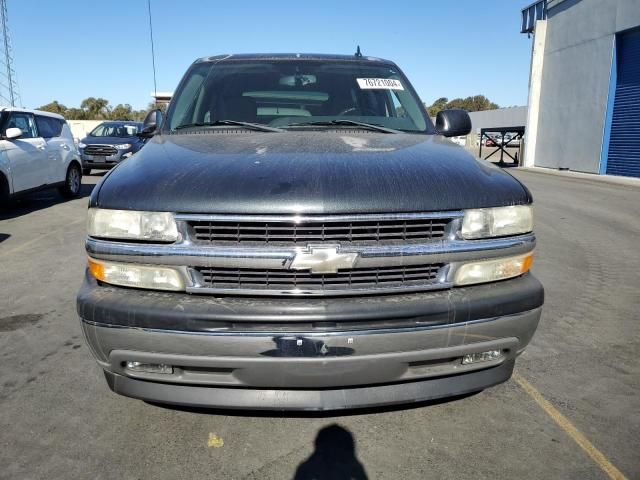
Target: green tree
{"points": [[75, 114], [96, 108], [154, 105], [474, 103], [54, 107], [436, 106], [139, 115], [123, 112]]}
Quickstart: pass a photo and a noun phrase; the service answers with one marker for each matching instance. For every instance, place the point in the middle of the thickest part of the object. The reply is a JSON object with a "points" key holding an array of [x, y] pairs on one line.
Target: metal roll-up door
{"points": [[624, 141]]}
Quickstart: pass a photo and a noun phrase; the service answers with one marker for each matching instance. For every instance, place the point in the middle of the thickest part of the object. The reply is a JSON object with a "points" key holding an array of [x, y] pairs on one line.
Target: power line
{"points": [[153, 54]]}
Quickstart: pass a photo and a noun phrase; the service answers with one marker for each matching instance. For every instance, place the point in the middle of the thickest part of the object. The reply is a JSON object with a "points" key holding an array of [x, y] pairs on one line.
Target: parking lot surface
{"points": [[58, 419]]}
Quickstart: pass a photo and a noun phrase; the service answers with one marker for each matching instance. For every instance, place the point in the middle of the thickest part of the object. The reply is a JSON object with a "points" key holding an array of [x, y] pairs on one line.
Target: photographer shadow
{"points": [[334, 457]]}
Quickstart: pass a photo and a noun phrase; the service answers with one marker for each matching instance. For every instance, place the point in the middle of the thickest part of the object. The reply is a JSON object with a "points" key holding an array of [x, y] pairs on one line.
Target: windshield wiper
{"points": [[370, 126], [252, 126]]}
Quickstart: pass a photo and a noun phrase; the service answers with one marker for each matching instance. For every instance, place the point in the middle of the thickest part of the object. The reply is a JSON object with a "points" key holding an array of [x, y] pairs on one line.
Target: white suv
{"points": [[37, 152]]}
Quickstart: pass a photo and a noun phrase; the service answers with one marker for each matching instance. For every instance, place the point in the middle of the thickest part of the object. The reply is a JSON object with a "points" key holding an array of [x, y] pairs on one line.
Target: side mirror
{"points": [[13, 133], [453, 123], [151, 123]]}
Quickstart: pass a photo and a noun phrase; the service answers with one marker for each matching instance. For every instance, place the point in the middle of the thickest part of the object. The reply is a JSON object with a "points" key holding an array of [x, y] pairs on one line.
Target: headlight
{"points": [[137, 276], [497, 222], [493, 270], [123, 146], [81, 145], [132, 225]]}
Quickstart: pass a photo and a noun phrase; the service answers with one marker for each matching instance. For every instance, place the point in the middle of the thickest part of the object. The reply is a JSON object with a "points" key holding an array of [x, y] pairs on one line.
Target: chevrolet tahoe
{"points": [[297, 234]]}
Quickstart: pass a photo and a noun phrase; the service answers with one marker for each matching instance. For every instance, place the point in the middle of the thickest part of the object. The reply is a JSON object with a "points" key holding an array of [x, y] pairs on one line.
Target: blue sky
{"points": [[67, 50]]}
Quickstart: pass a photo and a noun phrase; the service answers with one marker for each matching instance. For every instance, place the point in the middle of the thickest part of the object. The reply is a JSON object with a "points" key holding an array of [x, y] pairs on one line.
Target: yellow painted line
{"points": [[26, 244], [575, 434]]}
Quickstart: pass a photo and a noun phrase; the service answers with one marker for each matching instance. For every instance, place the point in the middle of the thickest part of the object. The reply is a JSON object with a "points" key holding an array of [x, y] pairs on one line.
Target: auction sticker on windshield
{"points": [[379, 83]]}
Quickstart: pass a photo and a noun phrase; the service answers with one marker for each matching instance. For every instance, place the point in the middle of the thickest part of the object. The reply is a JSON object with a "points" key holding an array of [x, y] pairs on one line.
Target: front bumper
{"points": [[310, 400], [104, 162], [308, 354]]}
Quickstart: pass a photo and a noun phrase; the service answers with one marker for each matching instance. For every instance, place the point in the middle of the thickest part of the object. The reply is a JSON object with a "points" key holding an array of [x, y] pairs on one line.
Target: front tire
{"points": [[4, 192], [72, 182]]}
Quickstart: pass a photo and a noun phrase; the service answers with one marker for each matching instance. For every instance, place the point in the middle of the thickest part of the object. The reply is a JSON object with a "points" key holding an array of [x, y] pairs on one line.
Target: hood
{"points": [[313, 172], [109, 140]]}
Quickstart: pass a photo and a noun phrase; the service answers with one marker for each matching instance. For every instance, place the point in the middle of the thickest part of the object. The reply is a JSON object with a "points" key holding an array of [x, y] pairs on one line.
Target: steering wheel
{"points": [[363, 111]]}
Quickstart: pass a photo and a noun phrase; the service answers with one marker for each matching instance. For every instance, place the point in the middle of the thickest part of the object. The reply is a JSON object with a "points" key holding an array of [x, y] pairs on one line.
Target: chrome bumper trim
{"points": [[184, 254], [318, 218], [318, 293]]}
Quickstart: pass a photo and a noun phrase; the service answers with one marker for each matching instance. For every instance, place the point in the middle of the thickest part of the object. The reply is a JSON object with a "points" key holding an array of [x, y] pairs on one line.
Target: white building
{"points": [[584, 91]]}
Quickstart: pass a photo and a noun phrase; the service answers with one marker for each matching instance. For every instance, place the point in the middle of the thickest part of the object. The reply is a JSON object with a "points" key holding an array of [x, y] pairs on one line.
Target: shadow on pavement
{"points": [[506, 164], [3, 237], [334, 457], [100, 173], [38, 201]]}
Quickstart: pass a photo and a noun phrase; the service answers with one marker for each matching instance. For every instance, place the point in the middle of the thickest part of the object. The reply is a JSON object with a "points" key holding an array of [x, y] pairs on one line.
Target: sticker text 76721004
{"points": [[379, 83]]}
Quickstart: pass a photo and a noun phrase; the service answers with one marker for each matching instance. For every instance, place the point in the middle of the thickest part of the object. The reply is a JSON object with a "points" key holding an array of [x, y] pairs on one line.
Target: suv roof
{"points": [[291, 56], [121, 122], [39, 112]]}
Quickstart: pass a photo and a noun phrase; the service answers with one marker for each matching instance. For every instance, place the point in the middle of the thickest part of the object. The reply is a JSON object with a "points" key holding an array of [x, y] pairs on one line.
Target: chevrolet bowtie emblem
{"points": [[323, 259]]}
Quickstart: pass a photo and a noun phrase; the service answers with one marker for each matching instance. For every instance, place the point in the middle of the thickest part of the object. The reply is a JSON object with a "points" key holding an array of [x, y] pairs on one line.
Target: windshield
{"points": [[288, 92], [115, 130]]}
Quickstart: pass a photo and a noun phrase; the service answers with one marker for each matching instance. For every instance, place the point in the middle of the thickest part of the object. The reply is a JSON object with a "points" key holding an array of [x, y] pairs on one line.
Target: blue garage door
{"points": [[624, 142]]}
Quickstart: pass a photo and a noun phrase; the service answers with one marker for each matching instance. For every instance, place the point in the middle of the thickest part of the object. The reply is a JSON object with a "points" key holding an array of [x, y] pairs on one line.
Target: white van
{"points": [[37, 152]]}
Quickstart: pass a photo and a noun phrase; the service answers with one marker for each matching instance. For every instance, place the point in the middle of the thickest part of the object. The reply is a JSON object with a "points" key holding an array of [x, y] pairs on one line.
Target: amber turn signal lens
{"points": [[153, 277], [96, 269], [528, 261], [493, 270]]}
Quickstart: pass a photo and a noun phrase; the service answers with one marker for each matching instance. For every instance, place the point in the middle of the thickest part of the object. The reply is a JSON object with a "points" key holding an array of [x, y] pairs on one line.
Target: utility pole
{"points": [[8, 83], [153, 55]]}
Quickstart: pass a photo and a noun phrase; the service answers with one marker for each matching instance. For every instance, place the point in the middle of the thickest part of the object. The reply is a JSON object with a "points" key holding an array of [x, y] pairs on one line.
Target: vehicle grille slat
{"points": [[293, 233], [362, 232], [284, 280], [312, 228], [310, 238], [100, 150]]}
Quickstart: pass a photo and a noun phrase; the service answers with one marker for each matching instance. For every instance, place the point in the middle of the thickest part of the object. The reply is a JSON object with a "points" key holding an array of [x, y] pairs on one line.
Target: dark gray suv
{"points": [[108, 144], [297, 234]]}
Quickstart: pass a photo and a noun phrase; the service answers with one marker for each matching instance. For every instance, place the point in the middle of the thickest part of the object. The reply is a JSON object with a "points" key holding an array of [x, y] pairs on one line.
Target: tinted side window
{"points": [[49, 127], [60, 125], [56, 126], [23, 121], [43, 127]]}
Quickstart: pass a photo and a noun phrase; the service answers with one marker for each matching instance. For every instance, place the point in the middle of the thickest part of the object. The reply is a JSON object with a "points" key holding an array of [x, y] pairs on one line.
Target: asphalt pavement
{"points": [[578, 381]]}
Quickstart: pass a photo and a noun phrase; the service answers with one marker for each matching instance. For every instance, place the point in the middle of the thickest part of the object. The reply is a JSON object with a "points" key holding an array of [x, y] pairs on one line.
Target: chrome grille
{"points": [[285, 280], [100, 150], [415, 230]]}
